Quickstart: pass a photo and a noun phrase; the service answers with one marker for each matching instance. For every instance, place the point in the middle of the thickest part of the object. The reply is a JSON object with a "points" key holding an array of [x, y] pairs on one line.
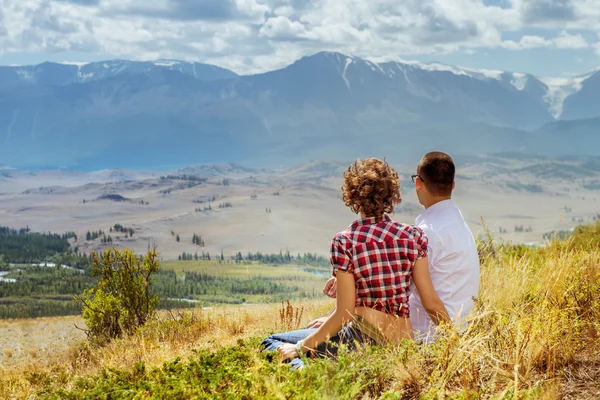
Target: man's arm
{"points": [[429, 298]]}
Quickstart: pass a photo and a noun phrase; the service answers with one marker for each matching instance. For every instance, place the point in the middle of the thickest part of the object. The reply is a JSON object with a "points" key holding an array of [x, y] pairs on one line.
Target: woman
{"points": [[374, 261]]}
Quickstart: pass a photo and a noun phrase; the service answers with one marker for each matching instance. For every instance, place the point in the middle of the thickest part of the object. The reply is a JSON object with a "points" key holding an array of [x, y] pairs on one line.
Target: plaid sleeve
{"points": [[421, 241], [340, 255]]}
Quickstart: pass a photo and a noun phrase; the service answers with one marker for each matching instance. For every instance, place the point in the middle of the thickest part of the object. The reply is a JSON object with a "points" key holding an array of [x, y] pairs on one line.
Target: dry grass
{"points": [[172, 334], [534, 334]]}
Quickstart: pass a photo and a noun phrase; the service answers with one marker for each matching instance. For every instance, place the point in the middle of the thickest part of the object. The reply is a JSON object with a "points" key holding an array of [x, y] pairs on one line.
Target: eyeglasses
{"points": [[414, 178]]}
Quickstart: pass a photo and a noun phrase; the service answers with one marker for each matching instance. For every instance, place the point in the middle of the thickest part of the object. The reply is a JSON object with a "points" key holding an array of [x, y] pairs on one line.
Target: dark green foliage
{"points": [[184, 177], [106, 239], [560, 235], [39, 306], [23, 246], [199, 285], [284, 258], [45, 291], [197, 240], [89, 236], [240, 372], [113, 197], [122, 300], [123, 229], [189, 256], [226, 205], [204, 199], [521, 228]]}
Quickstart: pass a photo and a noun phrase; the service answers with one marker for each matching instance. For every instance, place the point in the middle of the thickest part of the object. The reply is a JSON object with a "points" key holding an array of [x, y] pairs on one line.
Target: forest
{"points": [[48, 273]]}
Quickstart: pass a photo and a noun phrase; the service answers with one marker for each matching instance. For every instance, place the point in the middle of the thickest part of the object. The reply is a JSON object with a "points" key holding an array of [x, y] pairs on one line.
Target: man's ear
{"points": [[453, 185]]}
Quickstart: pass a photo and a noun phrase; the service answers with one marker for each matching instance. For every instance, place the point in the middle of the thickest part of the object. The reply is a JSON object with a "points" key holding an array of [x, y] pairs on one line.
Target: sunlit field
{"points": [[534, 334]]}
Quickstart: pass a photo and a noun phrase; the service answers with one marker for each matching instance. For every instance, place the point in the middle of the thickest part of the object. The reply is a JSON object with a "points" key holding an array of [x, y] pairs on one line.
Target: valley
{"points": [[235, 209]]}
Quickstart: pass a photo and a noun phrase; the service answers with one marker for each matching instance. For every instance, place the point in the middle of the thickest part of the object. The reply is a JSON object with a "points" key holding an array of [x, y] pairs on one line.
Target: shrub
{"points": [[122, 300]]}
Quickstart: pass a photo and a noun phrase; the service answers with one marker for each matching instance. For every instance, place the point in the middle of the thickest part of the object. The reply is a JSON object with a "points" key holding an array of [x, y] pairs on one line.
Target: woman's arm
{"points": [[429, 298], [343, 314]]}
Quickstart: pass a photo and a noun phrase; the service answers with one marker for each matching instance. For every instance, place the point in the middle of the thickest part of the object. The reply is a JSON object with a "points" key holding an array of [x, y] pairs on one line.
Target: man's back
{"points": [[453, 265]]}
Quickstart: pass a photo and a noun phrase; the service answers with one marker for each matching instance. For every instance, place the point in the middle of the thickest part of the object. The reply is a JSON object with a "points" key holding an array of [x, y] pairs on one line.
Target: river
{"points": [[2, 279]]}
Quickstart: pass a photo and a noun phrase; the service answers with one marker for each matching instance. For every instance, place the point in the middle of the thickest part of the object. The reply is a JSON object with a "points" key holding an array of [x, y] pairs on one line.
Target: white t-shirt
{"points": [[453, 266]]}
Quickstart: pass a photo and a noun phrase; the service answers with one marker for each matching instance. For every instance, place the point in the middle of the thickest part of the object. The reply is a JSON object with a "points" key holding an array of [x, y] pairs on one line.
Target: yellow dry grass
{"points": [[534, 334]]}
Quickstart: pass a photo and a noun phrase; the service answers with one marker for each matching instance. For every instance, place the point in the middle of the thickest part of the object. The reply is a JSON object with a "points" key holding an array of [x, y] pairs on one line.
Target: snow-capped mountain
{"points": [[132, 114], [59, 74]]}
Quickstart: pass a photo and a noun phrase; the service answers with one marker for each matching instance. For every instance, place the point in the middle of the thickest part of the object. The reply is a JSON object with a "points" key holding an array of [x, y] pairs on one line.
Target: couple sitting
{"points": [[391, 280]]}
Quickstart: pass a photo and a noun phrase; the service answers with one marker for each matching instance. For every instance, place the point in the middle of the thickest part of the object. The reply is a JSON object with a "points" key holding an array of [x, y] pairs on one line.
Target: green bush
{"points": [[122, 300]]}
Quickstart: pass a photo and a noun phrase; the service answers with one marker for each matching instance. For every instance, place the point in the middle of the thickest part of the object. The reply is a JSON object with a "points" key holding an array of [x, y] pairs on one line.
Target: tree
{"points": [[177, 238], [3, 264], [122, 300]]}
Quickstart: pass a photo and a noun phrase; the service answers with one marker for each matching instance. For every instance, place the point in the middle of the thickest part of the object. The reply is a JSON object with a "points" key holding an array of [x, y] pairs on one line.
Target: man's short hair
{"points": [[436, 170]]}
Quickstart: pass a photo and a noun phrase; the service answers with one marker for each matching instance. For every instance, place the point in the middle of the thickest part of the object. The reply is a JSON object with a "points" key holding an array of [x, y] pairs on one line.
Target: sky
{"points": [[548, 38]]}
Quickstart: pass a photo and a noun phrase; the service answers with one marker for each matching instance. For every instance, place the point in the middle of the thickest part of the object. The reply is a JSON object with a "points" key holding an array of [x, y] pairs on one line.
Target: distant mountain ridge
{"points": [[59, 74], [171, 113]]}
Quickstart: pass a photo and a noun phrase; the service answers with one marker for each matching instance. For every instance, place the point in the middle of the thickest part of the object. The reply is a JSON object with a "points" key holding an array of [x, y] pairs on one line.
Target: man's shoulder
{"points": [[441, 219]]}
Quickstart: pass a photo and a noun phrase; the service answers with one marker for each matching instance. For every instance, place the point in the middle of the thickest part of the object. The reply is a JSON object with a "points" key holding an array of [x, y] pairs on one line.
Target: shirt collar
{"points": [[371, 221], [435, 209]]}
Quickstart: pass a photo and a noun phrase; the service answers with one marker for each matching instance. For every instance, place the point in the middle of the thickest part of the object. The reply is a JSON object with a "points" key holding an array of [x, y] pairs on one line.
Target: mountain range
{"points": [[171, 113]]}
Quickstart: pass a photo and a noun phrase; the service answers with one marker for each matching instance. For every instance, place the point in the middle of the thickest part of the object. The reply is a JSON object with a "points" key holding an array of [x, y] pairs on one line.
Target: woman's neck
{"points": [[364, 216]]}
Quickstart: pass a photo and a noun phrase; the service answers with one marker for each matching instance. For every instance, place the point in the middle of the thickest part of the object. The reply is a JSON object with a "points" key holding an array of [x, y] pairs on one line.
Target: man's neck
{"points": [[434, 200]]}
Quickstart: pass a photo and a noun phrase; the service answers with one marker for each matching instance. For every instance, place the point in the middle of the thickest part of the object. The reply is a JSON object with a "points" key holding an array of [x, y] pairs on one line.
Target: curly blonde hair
{"points": [[371, 188]]}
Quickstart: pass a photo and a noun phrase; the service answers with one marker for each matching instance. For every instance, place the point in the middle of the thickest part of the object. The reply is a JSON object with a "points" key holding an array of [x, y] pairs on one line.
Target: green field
{"points": [[44, 291], [230, 282], [246, 269]]}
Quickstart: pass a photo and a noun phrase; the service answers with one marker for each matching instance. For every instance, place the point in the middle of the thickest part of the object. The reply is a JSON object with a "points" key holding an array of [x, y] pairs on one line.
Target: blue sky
{"points": [[543, 37]]}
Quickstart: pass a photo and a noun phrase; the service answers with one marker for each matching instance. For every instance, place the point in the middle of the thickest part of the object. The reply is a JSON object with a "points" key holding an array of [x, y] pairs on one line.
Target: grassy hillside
{"points": [[41, 291], [534, 334]]}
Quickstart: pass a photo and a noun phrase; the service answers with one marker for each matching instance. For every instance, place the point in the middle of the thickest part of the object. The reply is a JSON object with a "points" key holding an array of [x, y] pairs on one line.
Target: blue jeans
{"points": [[272, 342], [349, 336]]}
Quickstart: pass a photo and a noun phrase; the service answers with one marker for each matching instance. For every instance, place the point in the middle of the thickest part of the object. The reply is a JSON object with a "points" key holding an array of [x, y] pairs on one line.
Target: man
{"points": [[453, 258]]}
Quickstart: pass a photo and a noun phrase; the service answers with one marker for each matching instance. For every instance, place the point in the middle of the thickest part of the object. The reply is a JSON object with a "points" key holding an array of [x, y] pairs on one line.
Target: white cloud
{"points": [[281, 28], [527, 42], [564, 41], [255, 35]]}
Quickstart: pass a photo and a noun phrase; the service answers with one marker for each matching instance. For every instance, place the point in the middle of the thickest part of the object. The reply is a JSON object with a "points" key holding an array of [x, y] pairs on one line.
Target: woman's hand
{"points": [[287, 351], [317, 323]]}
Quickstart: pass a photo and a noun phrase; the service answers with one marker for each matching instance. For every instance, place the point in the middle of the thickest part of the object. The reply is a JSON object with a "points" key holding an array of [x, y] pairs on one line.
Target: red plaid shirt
{"points": [[381, 255]]}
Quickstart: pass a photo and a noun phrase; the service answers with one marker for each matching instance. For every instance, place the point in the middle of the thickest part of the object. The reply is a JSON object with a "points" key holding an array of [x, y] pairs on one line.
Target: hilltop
{"points": [[533, 335]]}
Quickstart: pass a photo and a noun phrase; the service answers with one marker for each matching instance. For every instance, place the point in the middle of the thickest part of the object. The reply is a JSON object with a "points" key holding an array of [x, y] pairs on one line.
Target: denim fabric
{"points": [[348, 336], [272, 342]]}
